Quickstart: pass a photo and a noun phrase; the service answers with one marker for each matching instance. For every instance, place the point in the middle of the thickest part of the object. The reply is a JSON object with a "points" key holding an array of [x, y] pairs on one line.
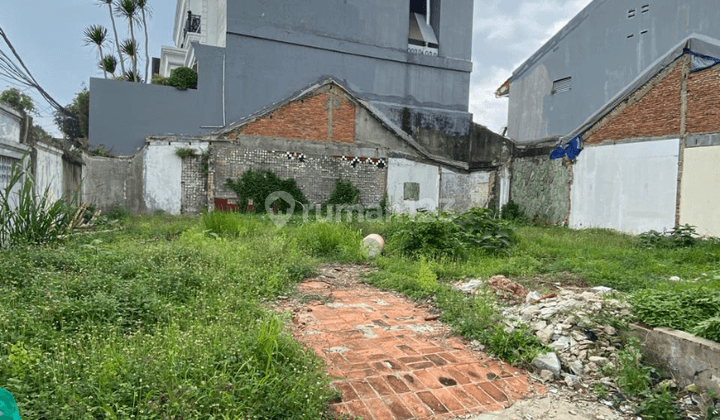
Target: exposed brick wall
{"points": [[326, 116], [315, 175], [653, 110], [194, 185], [703, 113]]}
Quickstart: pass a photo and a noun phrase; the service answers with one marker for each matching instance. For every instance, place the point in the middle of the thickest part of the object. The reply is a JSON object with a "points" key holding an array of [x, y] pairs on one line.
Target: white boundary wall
{"points": [[631, 187], [401, 171]]}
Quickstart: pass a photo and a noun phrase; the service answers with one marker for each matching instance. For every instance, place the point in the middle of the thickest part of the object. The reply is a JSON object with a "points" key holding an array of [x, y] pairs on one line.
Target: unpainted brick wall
{"points": [[541, 187], [653, 110], [194, 185], [703, 112], [326, 116], [315, 175]]}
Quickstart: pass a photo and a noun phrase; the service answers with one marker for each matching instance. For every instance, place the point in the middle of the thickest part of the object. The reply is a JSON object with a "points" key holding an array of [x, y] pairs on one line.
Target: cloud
{"points": [[506, 33]]}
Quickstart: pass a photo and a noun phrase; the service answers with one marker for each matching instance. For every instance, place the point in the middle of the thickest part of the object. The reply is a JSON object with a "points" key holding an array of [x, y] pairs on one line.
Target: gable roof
{"points": [[372, 110], [695, 44]]}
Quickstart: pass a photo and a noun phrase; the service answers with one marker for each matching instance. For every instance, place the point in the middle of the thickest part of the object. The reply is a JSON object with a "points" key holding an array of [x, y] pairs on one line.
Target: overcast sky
{"points": [[48, 35]]}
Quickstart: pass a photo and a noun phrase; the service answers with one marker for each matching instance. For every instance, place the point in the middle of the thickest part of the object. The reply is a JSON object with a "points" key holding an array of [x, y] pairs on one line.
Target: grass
{"points": [[167, 317]]}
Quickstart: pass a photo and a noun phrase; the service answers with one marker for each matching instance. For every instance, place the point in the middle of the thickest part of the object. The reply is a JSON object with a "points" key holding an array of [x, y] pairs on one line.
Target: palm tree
{"points": [[109, 4], [95, 35], [109, 64], [129, 47], [146, 10], [128, 9]]}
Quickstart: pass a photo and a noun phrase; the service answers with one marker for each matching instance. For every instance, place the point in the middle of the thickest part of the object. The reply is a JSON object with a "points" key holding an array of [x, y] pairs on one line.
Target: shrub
{"points": [[26, 218], [184, 152], [709, 328], [344, 193], [328, 240], [259, 185], [17, 100], [678, 237], [182, 78], [512, 211], [688, 310]]}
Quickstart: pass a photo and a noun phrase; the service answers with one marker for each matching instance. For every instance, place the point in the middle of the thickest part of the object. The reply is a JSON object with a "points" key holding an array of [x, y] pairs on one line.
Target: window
{"points": [[631, 13], [645, 8], [422, 38], [562, 85], [411, 191]]}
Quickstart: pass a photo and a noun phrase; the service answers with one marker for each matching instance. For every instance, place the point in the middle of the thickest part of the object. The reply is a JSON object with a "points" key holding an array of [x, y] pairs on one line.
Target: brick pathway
{"points": [[392, 360]]}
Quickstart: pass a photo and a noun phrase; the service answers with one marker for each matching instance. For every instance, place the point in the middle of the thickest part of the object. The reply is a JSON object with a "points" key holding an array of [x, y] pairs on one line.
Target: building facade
{"points": [[595, 57]]}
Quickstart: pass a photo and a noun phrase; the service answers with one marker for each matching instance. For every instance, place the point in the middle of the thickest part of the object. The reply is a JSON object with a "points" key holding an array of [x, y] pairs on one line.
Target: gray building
{"points": [[410, 58], [607, 47]]}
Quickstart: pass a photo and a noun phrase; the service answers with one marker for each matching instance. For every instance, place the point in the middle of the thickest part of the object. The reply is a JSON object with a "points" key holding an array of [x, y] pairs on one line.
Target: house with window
{"points": [[371, 91], [633, 88]]}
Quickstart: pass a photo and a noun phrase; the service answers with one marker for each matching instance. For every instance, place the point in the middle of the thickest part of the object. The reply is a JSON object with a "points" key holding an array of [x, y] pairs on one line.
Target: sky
{"points": [[48, 36]]}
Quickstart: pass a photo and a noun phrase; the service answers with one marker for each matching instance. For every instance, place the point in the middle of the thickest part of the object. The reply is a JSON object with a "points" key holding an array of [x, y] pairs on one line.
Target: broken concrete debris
{"points": [[373, 244]]}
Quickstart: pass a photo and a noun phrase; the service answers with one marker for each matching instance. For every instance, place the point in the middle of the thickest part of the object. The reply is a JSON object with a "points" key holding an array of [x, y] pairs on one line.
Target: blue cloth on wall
{"points": [[571, 150]]}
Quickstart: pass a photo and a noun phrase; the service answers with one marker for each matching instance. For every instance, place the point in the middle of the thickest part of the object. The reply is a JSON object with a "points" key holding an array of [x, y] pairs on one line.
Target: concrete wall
{"points": [[49, 171], [162, 174], [700, 189], [276, 47], [110, 182], [10, 123], [461, 192], [11, 151], [596, 50], [122, 114], [402, 171], [542, 187], [630, 187]]}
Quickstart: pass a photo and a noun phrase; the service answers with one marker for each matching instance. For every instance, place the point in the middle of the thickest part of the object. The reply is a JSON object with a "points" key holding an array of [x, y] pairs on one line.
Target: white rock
{"points": [[532, 296], [545, 334], [536, 326], [561, 344], [546, 375], [548, 361], [609, 330], [576, 367], [598, 360], [373, 244]]}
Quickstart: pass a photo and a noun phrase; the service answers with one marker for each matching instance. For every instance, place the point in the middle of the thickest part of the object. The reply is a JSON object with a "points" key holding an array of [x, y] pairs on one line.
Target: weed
{"points": [[344, 193], [600, 389], [688, 308], [632, 376], [512, 211], [184, 152], [709, 328], [678, 237], [329, 240], [660, 405], [259, 185], [713, 412]]}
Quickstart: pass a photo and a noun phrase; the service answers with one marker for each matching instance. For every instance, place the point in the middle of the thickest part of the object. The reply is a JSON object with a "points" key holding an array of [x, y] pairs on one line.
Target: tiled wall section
{"points": [[541, 187], [194, 185], [315, 175]]}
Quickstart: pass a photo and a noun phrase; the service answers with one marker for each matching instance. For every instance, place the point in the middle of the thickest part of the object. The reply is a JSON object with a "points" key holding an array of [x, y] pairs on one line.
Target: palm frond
{"points": [[109, 64], [127, 9], [129, 47], [131, 76], [95, 35]]}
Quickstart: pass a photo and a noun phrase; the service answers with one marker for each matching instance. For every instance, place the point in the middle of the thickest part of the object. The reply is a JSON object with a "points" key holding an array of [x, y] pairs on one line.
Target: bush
{"points": [[344, 193], [182, 78], [444, 235], [688, 310], [17, 100], [678, 237], [26, 218], [259, 185], [74, 123], [512, 211]]}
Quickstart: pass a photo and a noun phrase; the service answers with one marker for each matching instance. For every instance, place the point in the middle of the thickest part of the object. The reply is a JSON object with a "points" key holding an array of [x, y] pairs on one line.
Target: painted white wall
{"points": [[462, 191], [9, 125], [162, 172], [631, 187], [49, 172], [401, 171], [700, 190]]}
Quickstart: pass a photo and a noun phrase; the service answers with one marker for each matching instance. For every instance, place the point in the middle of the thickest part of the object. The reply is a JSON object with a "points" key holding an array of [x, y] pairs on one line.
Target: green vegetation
{"points": [[184, 152], [75, 122], [17, 100], [344, 193], [259, 185], [167, 317], [182, 78]]}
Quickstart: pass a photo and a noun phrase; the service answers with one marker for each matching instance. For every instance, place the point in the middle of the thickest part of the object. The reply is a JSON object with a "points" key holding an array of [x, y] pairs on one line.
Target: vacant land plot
{"points": [[167, 317]]}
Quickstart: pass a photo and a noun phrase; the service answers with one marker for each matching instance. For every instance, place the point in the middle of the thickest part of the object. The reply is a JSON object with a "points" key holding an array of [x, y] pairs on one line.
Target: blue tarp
{"points": [[571, 150]]}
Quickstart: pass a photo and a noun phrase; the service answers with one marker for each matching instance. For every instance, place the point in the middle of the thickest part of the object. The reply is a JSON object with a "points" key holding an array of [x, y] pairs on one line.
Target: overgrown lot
{"points": [[165, 318]]}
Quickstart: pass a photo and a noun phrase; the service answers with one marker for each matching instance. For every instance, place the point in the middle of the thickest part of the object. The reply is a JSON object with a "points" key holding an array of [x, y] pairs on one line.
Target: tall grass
{"points": [[27, 218]]}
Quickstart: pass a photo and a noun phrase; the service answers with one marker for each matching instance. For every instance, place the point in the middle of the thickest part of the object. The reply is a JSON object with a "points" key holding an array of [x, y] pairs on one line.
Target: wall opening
{"points": [[562, 85], [422, 38], [411, 191]]}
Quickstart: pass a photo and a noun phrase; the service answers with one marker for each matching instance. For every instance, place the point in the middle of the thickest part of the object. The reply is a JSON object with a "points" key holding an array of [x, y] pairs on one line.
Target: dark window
{"points": [[643, 32], [631, 13], [419, 7], [411, 191], [645, 8]]}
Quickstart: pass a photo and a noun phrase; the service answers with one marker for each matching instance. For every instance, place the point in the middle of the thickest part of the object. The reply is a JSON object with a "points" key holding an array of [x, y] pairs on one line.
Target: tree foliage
{"points": [[182, 78], [74, 123], [18, 100]]}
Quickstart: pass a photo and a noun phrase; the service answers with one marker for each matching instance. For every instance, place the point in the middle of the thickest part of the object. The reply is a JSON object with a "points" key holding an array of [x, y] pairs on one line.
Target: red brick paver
{"points": [[393, 364]]}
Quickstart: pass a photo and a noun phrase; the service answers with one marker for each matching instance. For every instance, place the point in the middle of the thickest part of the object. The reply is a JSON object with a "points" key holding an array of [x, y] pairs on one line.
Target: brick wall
{"points": [[653, 110], [703, 112], [328, 115], [315, 175], [194, 185]]}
